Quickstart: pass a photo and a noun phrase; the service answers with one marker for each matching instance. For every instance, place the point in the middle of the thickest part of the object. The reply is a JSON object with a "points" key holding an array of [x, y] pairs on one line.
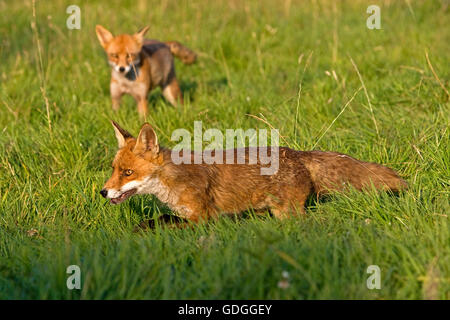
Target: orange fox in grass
{"points": [[197, 192], [139, 65]]}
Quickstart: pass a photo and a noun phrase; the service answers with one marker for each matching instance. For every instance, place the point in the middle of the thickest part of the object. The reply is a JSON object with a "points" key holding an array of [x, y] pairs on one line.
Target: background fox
{"points": [[139, 65], [200, 191]]}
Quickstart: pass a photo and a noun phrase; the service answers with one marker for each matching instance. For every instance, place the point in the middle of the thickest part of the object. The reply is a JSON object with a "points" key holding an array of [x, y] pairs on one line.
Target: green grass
{"points": [[271, 59]]}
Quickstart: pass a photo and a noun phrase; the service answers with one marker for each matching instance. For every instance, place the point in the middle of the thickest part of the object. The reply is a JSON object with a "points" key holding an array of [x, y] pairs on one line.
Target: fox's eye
{"points": [[114, 55], [128, 172]]}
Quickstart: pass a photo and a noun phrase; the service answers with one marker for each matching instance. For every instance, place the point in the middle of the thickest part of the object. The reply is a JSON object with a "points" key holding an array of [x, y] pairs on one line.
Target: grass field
{"points": [[294, 65]]}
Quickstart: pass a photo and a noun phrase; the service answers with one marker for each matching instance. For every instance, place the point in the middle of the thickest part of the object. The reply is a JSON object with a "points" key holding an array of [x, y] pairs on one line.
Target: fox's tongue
{"points": [[124, 196]]}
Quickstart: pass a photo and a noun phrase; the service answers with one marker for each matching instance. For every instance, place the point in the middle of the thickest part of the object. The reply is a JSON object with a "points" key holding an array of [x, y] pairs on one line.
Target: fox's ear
{"points": [[146, 141], [103, 35], [121, 134], [139, 36]]}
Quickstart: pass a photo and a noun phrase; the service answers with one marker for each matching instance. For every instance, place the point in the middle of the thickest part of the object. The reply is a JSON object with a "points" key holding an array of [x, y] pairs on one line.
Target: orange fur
{"points": [[199, 191]]}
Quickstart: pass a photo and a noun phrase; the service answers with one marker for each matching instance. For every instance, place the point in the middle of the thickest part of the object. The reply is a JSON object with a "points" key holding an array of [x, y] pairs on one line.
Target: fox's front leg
{"points": [[142, 106], [139, 94], [192, 207], [172, 92], [116, 95]]}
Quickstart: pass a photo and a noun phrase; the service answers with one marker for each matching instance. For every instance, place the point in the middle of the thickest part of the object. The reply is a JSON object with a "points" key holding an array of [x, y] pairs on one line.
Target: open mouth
{"points": [[124, 196]]}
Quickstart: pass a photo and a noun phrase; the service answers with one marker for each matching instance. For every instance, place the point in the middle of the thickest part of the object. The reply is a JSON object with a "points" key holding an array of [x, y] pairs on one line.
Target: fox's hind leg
{"points": [[288, 210], [292, 204], [172, 92]]}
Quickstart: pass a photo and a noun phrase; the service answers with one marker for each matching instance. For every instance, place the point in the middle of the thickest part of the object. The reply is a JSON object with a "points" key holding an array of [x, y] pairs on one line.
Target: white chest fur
{"points": [[164, 194], [124, 85]]}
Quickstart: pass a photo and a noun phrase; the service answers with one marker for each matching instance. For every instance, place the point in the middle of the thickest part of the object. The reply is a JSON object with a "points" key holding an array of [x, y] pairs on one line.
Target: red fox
{"points": [[197, 192], [140, 65]]}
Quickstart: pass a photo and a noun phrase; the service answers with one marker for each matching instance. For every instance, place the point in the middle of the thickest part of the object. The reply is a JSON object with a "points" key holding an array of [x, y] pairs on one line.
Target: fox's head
{"points": [[123, 50], [134, 165]]}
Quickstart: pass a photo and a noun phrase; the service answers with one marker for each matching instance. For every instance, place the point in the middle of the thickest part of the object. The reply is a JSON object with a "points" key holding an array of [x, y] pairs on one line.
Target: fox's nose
{"points": [[121, 69], [104, 192]]}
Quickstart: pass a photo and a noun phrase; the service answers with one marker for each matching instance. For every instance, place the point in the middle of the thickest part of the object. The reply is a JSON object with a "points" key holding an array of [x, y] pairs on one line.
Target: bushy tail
{"points": [[332, 171], [186, 55]]}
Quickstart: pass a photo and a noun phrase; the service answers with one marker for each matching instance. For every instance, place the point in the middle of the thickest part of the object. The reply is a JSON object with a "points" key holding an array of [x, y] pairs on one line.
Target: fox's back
{"points": [[237, 180], [160, 60]]}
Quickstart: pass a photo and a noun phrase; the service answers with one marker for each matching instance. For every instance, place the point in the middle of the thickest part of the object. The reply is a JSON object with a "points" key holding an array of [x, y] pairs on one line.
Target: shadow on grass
{"points": [[217, 84], [313, 201], [188, 88], [168, 220]]}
